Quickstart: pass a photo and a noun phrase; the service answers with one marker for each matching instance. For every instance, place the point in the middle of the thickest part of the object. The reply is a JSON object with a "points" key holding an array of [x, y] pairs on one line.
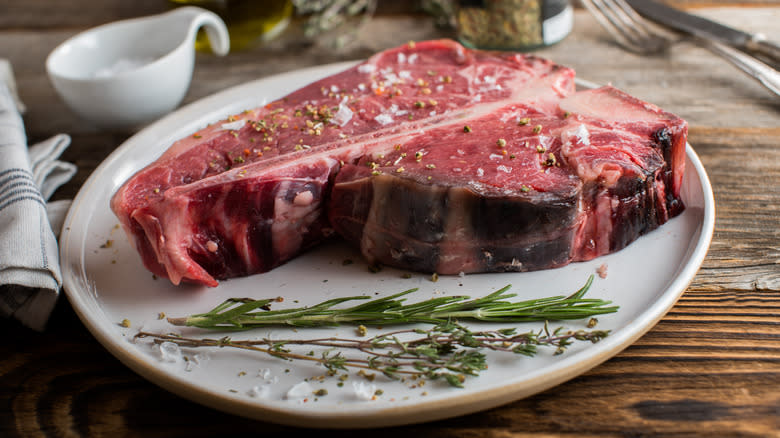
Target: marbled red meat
{"points": [[519, 189], [380, 154]]}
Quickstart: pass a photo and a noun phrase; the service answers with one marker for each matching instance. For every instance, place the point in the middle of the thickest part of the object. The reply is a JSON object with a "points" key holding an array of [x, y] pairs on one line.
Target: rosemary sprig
{"points": [[448, 351], [247, 313]]}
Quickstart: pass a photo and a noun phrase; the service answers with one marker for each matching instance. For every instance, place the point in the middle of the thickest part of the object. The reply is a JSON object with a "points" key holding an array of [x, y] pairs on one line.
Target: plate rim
{"points": [[387, 415]]}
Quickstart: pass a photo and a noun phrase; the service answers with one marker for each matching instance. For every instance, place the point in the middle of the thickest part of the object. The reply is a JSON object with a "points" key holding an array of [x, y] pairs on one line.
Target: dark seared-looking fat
{"points": [[428, 156], [520, 189]]}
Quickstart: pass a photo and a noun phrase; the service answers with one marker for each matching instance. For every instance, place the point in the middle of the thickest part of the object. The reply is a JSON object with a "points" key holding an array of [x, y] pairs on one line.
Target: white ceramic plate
{"points": [[107, 283]]}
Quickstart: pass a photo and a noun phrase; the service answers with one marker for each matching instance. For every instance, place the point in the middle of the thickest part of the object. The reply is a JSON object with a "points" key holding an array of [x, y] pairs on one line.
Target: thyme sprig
{"points": [[447, 351], [248, 313]]}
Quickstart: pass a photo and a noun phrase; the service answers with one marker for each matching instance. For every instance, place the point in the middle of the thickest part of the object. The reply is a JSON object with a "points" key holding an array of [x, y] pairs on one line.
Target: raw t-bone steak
{"points": [[429, 157]]}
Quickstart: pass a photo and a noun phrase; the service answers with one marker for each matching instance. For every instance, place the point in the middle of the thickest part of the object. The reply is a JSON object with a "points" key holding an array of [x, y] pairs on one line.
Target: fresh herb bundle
{"points": [[248, 313]]}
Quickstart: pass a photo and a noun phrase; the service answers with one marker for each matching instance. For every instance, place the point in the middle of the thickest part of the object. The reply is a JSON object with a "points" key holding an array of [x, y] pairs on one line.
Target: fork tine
{"points": [[612, 24], [643, 26], [626, 26]]}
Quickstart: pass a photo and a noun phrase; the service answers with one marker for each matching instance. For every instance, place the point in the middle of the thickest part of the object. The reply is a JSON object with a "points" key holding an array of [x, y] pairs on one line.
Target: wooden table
{"points": [[711, 367]]}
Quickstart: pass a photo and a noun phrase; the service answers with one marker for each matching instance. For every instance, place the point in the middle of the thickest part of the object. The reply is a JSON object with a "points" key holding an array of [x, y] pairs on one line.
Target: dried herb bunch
{"points": [[448, 351]]}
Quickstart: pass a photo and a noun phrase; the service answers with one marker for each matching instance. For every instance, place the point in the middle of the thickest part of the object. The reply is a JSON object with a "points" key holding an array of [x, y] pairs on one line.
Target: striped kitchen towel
{"points": [[30, 278]]}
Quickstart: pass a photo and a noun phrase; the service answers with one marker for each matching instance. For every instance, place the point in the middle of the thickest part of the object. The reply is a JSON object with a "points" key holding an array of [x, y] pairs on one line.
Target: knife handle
{"points": [[763, 73], [759, 44]]}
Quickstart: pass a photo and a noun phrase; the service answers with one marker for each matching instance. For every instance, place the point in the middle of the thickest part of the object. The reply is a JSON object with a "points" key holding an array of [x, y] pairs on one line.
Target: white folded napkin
{"points": [[30, 278]]}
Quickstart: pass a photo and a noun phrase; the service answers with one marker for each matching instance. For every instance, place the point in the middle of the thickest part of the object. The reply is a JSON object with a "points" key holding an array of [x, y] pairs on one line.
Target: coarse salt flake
{"points": [[170, 352], [299, 392], [384, 119], [583, 135], [343, 115], [363, 390], [366, 68], [233, 126], [259, 391]]}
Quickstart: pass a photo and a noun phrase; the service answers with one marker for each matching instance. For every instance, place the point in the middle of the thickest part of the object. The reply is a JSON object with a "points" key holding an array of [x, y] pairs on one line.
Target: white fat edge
{"points": [[401, 58], [505, 169], [233, 126], [496, 156], [244, 245], [480, 171], [285, 229], [406, 75], [412, 58], [364, 391], [361, 87]]}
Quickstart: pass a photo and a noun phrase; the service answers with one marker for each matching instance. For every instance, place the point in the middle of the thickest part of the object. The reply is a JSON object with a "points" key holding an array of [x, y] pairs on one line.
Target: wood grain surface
{"points": [[711, 367]]}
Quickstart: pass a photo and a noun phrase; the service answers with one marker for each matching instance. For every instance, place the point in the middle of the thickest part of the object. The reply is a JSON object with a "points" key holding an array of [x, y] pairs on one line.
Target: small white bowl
{"points": [[131, 72]]}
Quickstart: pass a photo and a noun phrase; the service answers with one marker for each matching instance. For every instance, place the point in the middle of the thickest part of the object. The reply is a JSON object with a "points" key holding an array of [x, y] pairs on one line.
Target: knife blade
{"points": [[704, 28]]}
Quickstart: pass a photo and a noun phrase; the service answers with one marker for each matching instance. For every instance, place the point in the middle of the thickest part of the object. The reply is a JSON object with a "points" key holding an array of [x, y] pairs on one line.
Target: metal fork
{"points": [[638, 35]]}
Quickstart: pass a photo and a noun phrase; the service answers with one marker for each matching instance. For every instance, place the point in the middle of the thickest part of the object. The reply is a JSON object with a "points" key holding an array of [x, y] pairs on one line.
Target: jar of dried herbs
{"points": [[513, 24]]}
